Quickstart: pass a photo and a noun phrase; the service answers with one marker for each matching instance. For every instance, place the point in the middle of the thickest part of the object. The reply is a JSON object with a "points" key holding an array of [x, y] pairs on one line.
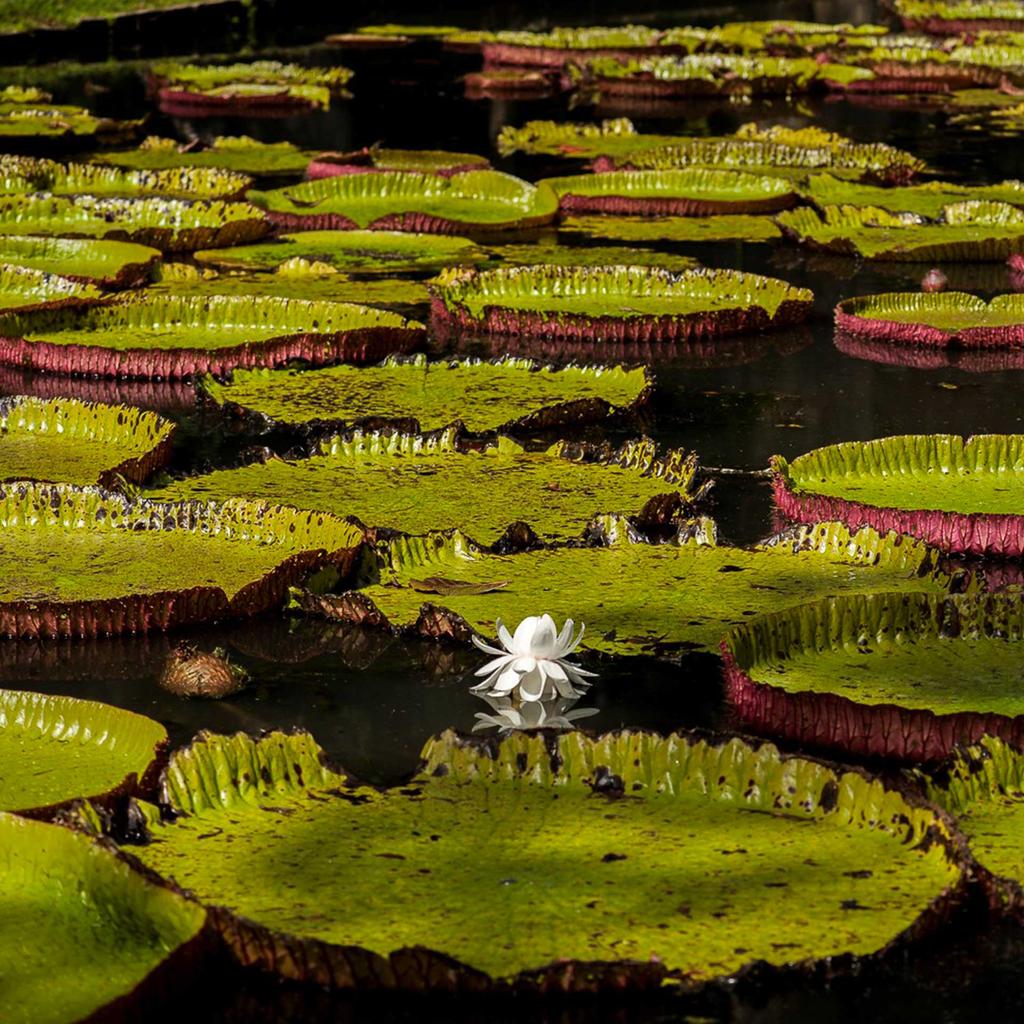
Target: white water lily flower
{"points": [[532, 665], [558, 713]]}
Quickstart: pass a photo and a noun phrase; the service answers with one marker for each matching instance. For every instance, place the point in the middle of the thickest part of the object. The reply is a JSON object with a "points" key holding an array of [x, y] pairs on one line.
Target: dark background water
{"points": [[372, 700]]}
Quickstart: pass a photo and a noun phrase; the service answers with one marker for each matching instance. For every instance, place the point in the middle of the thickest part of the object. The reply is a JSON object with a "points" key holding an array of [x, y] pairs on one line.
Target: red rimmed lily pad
{"points": [[24, 288], [619, 303], [407, 201], [373, 159], [959, 17], [693, 192], [139, 566], [103, 262], [957, 495], [176, 336], [938, 319], [906, 676]]}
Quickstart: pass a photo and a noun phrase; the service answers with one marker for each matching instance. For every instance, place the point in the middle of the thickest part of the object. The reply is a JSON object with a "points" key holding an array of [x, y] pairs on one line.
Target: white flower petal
{"points": [[506, 682], [504, 636], [532, 686], [485, 647], [493, 666]]}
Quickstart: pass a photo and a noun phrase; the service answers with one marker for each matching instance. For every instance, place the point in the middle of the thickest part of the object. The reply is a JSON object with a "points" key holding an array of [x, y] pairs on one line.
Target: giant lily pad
{"points": [[957, 495], [982, 786], [906, 676], [380, 252], [58, 749], [41, 175], [954, 17], [935, 319], [397, 201], [237, 153], [39, 120], [715, 74], [417, 483], [620, 303], [174, 336], [483, 396], [746, 228], [639, 598], [170, 224], [376, 158], [82, 929], [67, 441], [928, 200], [193, 89], [25, 288], [84, 562], [638, 896], [558, 46], [106, 263], [966, 231], [589, 256], [693, 192]]}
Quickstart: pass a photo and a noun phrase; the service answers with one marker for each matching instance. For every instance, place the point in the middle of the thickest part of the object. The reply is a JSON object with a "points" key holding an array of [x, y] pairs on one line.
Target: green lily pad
{"points": [[637, 303], [418, 483], [82, 928], [24, 288], [637, 897], [649, 599], [85, 562], [299, 280], [907, 676], [168, 224], [392, 200], [935, 318], [237, 153], [983, 787], [688, 192], [66, 179], [723, 228], [957, 495], [379, 252], [26, 15], [106, 263], [952, 17], [928, 200], [258, 72], [966, 231], [35, 120], [553, 254], [714, 73], [58, 749], [379, 158], [173, 336], [483, 396], [63, 440]]}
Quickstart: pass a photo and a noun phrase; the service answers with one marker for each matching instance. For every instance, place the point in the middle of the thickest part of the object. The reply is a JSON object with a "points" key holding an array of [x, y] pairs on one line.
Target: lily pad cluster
{"points": [[237, 153]]}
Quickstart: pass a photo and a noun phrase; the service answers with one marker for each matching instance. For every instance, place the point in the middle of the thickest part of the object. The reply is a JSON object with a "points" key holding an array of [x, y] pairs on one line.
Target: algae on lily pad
{"points": [[971, 230], [173, 336], [898, 675], [68, 179], [604, 914], [661, 600], [416, 483], [692, 192], [58, 749], [928, 200], [935, 319], [727, 227], [81, 927], [25, 288], [408, 201], [83, 562], [238, 153], [104, 262], [955, 494], [365, 252], [982, 786], [168, 224], [620, 303], [62, 440], [420, 395]]}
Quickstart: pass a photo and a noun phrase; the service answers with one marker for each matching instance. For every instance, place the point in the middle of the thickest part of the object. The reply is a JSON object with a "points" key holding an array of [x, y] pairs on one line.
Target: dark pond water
{"points": [[373, 700]]}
